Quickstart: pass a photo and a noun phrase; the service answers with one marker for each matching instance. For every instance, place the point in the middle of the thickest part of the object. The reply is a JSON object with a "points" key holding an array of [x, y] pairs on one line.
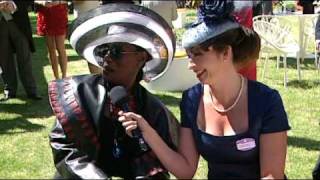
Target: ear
{"points": [[145, 57], [227, 53]]}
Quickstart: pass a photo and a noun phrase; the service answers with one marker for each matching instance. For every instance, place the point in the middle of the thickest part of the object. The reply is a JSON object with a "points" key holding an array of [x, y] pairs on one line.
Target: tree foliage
{"points": [[188, 3]]}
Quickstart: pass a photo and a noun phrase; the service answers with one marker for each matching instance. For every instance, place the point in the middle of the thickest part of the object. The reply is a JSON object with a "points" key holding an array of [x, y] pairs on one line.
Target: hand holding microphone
{"points": [[119, 97]]}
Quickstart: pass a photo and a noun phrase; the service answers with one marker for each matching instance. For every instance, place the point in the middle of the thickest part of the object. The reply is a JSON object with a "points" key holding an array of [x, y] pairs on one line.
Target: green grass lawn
{"points": [[25, 124]]}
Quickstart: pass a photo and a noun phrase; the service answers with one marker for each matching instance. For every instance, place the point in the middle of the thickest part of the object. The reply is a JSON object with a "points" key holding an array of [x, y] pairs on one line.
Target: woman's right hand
{"points": [[131, 121]]}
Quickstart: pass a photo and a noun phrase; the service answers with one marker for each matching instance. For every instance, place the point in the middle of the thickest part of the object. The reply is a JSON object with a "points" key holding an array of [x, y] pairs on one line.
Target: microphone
{"points": [[119, 97]]}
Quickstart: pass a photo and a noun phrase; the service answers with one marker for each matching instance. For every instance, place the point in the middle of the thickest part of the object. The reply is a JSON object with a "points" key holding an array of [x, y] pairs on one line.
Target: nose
{"points": [[191, 64], [106, 61]]}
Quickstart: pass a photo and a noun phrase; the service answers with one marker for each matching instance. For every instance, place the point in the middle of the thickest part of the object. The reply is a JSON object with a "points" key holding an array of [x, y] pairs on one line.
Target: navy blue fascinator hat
{"points": [[214, 18]]}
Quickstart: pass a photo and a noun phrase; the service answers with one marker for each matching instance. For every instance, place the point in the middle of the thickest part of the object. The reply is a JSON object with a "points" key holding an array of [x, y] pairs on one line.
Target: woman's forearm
{"points": [[175, 162], [183, 163]]}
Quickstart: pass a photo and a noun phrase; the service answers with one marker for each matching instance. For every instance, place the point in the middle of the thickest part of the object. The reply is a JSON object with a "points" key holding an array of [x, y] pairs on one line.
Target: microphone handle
{"points": [[136, 133]]}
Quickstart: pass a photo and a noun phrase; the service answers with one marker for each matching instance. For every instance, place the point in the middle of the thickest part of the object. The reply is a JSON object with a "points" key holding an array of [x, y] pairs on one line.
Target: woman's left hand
{"points": [[131, 121]]}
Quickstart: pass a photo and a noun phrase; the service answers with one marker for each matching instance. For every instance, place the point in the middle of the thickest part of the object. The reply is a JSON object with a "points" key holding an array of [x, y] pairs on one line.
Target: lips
{"points": [[199, 73], [107, 69]]}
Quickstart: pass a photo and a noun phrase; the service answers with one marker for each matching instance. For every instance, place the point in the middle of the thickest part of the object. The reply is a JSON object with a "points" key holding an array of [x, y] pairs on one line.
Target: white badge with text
{"points": [[246, 144]]}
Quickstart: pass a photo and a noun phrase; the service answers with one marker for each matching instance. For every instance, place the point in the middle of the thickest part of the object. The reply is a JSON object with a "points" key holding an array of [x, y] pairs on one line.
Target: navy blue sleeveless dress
{"points": [[236, 156]]}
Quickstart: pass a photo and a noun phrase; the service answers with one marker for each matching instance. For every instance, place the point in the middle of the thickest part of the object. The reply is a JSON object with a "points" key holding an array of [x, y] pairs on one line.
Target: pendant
{"points": [[116, 150]]}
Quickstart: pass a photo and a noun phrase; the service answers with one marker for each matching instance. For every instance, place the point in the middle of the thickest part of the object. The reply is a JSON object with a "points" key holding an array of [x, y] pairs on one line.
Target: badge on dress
{"points": [[245, 144]]}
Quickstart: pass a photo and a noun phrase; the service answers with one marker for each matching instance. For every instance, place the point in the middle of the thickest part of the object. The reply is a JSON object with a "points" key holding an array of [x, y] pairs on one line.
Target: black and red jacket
{"points": [[83, 136]]}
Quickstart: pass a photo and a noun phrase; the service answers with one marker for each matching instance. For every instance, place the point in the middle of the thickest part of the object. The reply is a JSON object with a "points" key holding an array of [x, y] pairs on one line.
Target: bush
{"points": [[193, 4]]}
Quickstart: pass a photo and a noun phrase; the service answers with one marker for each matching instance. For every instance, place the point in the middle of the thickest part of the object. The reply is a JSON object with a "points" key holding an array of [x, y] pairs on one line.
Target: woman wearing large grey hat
{"points": [[239, 126], [129, 43]]}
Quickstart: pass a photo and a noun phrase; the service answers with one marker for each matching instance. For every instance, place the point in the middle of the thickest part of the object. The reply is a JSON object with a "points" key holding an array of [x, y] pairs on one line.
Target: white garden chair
{"points": [[276, 41], [309, 35], [268, 18]]}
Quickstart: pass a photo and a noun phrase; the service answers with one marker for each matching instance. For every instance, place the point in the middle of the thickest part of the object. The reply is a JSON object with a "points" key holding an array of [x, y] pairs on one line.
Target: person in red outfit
{"points": [[52, 23], [244, 12]]}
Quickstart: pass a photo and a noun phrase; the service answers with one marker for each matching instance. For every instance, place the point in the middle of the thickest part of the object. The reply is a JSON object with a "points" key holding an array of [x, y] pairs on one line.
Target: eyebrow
{"points": [[196, 49]]}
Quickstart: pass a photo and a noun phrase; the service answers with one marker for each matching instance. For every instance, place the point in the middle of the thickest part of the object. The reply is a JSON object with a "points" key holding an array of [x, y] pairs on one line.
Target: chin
{"points": [[114, 79], [109, 77], [106, 75], [203, 79]]}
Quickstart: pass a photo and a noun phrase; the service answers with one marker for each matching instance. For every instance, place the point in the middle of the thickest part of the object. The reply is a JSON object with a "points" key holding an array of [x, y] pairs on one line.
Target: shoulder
{"points": [[87, 79], [72, 85], [269, 106], [264, 98], [66, 95], [191, 97], [193, 92], [74, 82], [261, 90]]}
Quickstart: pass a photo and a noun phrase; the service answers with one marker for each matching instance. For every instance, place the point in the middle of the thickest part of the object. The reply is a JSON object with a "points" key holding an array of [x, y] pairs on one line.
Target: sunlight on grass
{"points": [[303, 109]]}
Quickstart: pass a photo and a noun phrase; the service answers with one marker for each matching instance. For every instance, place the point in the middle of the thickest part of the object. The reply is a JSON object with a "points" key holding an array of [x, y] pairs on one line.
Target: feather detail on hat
{"points": [[215, 10]]}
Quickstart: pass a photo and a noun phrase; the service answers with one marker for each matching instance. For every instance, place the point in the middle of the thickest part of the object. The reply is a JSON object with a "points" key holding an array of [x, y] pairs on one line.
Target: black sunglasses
{"points": [[113, 51]]}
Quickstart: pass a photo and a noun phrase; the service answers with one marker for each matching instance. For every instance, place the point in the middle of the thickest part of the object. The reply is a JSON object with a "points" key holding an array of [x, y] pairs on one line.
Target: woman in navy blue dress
{"points": [[239, 126]]}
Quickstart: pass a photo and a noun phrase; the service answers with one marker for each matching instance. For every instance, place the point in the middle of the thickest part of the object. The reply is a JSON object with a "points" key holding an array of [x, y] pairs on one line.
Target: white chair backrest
{"points": [[271, 33], [268, 18]]}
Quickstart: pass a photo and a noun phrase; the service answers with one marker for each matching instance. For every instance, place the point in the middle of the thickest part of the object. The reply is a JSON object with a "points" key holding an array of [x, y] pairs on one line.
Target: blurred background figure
{"points": [[52, 23], [316, 170], [307, 5], [243, 12], [166, 9], [262, 7], [266, 7], [317, 42], [16, 39], [81, 7], [317, 33]]}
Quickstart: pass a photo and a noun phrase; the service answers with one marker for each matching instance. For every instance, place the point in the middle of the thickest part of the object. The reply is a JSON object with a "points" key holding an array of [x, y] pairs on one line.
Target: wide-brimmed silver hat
{"points": [[121, 22]]}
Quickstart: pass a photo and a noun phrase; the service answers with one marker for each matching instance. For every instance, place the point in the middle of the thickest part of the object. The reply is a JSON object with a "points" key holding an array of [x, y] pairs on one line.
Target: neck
{"points": [[225, 88], [128, 85]]}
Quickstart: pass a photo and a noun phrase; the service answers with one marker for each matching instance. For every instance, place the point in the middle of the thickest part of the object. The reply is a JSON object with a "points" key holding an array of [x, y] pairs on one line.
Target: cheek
{"points": [[206, 62], [129, 67], [212, 65]]}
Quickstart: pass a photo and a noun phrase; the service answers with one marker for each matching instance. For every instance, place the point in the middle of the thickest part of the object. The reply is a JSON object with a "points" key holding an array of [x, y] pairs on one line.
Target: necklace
{"points": [[235, 102]]}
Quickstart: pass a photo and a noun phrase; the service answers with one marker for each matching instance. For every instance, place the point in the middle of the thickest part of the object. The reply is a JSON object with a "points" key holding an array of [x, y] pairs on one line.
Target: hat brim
{"points": [[143, 26]]}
